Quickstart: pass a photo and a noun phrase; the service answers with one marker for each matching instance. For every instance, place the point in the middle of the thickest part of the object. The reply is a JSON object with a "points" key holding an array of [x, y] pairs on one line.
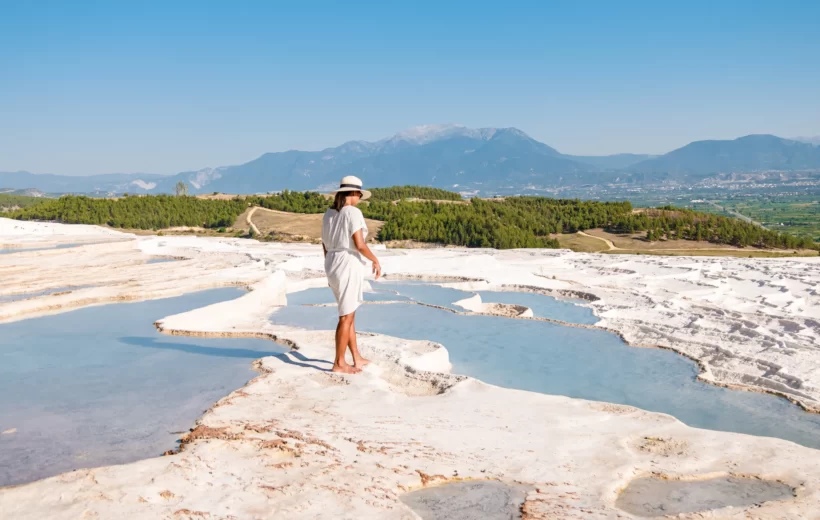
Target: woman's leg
{"points": [[358, 360], [342, 340]]}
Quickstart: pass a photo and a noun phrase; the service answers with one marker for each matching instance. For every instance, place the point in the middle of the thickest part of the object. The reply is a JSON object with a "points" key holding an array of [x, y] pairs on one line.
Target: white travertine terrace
{"points": [[475, 304], [299, 442], [39, 234]]}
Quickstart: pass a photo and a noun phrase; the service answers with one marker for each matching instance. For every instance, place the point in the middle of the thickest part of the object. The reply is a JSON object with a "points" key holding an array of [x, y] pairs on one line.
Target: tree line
{"points": [[8, 200], [412, 192], [514, 222], [477, 224], [670, 223], [149, 212], [293, 202]]}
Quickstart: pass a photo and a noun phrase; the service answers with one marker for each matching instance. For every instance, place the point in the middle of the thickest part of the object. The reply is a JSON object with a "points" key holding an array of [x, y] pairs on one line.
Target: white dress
{"points": [[344, 266]]}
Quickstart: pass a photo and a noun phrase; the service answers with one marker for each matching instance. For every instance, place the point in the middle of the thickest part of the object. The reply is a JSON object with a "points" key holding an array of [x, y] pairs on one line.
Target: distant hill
{"points": [[29, 192], [452, 157], [50, 183], [746, 154], [432, 155]]}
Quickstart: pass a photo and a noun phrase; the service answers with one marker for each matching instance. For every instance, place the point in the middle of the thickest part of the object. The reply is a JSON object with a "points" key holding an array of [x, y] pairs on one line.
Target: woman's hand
{"points": [[361, 246]]}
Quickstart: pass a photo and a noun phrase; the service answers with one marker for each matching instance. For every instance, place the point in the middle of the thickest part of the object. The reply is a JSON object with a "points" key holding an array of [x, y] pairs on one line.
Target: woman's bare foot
{"points": [[361, 362], [345, 369]]}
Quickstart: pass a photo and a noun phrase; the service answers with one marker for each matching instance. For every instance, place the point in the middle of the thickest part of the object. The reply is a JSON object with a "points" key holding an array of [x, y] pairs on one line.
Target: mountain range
{"points": [[454, 157]]}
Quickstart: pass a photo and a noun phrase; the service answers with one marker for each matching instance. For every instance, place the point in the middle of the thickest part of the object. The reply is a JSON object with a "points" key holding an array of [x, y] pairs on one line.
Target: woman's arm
{"points": [[361, 245]]}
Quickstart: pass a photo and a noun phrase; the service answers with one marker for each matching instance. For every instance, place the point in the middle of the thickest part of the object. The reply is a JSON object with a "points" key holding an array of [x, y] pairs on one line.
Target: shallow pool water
{"points": [[323, 296], [421, 292], [654, 497], [557, 359], [544, 306], [7, 250], [100, 385], [468, 500], [161, 260]]}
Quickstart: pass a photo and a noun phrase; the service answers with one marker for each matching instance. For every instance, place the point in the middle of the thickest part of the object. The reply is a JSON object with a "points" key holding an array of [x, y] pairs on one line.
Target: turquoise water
{"points": [[544, 306], [441, 296], [323, 295], [556, 359], [100, 385]]}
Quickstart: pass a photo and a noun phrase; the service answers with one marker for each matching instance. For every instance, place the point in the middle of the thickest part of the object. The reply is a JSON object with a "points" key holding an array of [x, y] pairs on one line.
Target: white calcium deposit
{"points": [[16, 233], [299, 442]]}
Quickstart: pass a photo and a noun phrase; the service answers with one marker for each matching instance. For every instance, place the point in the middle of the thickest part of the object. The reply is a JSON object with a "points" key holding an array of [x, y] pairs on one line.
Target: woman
{"points": [[343, 240]]}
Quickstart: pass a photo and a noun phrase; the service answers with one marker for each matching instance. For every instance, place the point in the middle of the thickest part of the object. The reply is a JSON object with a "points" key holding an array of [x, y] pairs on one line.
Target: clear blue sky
{"points": [[167, 86]]}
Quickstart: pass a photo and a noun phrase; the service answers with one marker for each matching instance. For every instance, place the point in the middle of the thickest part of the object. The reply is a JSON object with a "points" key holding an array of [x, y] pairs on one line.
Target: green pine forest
{"points": [[513, 222], [9, 201]]}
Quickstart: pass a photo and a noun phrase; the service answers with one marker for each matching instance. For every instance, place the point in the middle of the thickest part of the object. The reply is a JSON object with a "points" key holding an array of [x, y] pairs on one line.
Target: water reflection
{"points": [[576, 362]]}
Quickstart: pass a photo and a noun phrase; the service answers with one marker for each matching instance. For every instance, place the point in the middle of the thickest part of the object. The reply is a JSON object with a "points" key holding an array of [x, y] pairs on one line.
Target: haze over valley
{"points": [[486, 161]]}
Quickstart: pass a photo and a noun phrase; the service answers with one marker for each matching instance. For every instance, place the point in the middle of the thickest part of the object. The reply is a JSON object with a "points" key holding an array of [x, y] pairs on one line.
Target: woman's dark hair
{"points": [[339, 201], [341, 198]]}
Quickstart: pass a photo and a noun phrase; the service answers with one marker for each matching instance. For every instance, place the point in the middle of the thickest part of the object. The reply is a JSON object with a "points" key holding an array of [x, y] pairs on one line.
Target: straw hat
{"points": [[351, 183]]}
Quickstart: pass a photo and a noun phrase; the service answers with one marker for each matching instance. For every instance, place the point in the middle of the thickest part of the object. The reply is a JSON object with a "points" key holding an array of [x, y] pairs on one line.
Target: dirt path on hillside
{"points": [[608, 242], [692, 248], [296, 226], [249, 220]]}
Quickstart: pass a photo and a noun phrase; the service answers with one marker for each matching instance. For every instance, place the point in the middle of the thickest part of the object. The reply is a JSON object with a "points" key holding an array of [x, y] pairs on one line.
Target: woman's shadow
{"points": [[283, 353]]}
